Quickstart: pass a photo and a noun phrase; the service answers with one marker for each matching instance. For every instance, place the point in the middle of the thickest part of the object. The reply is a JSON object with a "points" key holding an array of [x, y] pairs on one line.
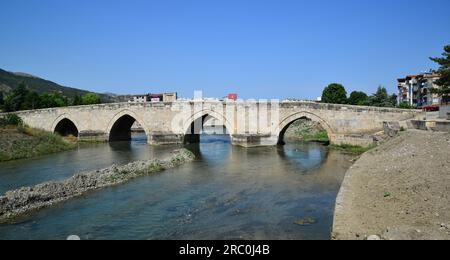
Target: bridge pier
{"points": [[243, 140], [162, 138], [192, 138], [254, 140], [168, 123], [363, 140], [93, 136], [257, 140]]}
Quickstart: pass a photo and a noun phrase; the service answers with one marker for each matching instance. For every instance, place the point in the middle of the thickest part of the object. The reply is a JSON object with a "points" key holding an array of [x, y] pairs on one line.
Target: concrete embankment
{"points": [[24, 200], [399, 190]]}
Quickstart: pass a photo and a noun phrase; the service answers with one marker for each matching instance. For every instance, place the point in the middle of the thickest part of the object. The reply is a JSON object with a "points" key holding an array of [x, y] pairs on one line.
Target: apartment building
{"points": [[415, 90], [165, 97]]}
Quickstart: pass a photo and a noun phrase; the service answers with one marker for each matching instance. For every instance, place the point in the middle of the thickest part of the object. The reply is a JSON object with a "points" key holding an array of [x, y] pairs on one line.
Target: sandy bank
{"points": [[399, 190]]}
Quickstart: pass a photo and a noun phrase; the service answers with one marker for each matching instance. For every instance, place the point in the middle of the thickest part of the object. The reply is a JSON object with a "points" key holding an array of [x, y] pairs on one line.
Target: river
{"points": [[228, 192]]}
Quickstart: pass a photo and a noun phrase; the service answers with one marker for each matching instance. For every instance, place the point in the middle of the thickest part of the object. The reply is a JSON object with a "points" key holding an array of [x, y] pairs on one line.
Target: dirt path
{"points": [[400, 190]]}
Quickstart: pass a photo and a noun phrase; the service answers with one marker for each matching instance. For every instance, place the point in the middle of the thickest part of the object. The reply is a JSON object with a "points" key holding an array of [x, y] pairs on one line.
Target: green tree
{"points": [[358, 98], [15, 100], [335, 94], [77, 101], [10, 119], [32, 101], [91, 99], [393, 100], [381, 98], [1, 100], [444, 72], [404, 105], [53, 100]]}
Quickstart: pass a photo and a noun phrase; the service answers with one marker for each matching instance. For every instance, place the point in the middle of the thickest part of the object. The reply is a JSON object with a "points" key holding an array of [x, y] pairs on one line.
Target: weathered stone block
{"points": [[165, 138], [92, 136], [391, 128], [254, 140], [166, 123]]}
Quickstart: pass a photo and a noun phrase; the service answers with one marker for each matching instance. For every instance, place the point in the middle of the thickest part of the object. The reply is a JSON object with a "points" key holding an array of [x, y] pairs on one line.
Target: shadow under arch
{"points": [[121, 124], [196, 124], [288, 121], [66, 127]]}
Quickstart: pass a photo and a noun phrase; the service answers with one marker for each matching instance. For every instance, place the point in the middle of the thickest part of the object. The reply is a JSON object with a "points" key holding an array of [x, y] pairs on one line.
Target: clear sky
{"points": [[259, 49]]}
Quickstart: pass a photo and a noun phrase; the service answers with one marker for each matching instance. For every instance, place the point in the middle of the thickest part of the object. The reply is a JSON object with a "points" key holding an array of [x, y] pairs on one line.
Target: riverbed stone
{"points": [[25, 199]]}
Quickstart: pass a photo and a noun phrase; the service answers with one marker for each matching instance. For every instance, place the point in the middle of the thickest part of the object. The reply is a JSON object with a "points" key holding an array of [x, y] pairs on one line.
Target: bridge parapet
{"points": [[249, 123]]}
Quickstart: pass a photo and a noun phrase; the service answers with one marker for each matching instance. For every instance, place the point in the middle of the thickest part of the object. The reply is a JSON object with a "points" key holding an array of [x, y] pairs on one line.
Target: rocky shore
{"points": [[24, 200], [397, 191]]}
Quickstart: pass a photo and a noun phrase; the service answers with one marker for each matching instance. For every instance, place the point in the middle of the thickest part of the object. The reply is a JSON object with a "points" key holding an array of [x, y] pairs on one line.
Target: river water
{"points": [[226, 193]]}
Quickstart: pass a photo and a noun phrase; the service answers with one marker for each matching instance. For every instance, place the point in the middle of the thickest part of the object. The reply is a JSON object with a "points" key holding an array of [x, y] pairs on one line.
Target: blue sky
{"points": [[259, 49]]}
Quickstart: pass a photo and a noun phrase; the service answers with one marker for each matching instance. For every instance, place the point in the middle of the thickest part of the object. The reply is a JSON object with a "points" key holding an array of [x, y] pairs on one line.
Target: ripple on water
{"points": [[227, 193]]}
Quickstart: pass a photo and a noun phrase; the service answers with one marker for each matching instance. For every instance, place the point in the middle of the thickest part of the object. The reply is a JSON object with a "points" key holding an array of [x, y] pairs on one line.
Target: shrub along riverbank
{"points": [[307, 131], [20, 142], [352, 149]]}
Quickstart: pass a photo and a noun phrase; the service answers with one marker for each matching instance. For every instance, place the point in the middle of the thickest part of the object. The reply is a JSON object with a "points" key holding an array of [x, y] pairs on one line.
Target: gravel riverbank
{"points": [[399, 190], [28, 199]]}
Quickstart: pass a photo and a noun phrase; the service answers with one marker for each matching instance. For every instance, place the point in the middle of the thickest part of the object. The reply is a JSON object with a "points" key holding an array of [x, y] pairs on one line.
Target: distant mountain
{"points": [[11, 80]]}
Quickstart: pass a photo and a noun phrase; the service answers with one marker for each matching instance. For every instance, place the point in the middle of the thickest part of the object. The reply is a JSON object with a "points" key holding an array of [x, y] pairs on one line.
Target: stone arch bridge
{"points": [[249, 123]]}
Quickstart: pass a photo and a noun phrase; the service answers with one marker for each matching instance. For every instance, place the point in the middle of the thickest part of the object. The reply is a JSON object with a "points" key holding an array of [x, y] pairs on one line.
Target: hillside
{"points": [[10, 81]]}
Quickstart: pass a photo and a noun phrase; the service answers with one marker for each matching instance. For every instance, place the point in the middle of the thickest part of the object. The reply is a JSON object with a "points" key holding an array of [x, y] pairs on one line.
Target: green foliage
{"points": [[405, 105], [352, 149], [334, 94], [41, 86], [382, 99], [306, 130], [393, 99], [10, 120], [24, 142], [358, 98], [15, 100], [2, 101], [53, 100], [91, 99], [77, 101], [444, 72], [22, 98], [32, 101], [321, 136]]}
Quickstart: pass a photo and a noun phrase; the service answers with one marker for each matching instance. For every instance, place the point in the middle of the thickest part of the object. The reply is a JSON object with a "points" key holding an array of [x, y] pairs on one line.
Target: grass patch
{"points": [[156, 166], [20, 142], [10, 120], [306, 130], [352, 149], [321, 136]]}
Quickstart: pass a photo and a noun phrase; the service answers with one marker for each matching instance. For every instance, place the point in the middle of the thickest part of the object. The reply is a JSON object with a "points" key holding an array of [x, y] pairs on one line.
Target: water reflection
{"points": [[228, 192]]}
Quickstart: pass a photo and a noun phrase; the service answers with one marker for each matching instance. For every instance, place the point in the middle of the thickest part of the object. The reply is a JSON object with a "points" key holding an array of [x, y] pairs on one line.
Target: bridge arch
{"points": [[288, 121], [65, 126], [119, 127], [194, 124]]}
